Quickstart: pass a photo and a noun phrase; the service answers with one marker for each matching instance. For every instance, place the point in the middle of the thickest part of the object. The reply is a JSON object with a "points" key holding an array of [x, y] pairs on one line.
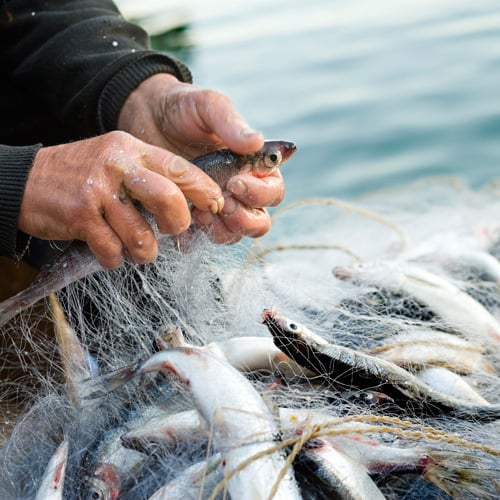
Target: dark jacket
{"points": [[67, 67]]}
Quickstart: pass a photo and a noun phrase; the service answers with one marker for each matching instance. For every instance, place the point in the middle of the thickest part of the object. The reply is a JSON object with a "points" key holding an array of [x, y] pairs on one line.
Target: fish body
{"points": [[346, 478], [425, 347], [353, 442], [52, 484], [188, 484], [450, 383], [242, 425], [223, 163], [77, 363], [110, 466], [78, 261], [458, 310], [167, 432], [352, 368], [246, 354]]}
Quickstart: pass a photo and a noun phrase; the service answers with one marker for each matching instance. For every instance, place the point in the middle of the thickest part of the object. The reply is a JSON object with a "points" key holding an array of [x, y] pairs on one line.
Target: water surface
{"points": [[375, 93]]}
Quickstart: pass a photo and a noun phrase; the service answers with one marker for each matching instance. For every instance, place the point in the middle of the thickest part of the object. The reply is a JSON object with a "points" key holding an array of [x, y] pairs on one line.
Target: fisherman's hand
{"points": [[84, 190], [190, 121]]}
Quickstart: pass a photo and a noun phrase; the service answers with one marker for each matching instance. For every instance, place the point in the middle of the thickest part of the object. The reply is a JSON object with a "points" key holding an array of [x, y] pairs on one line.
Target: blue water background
{"points": [[375, 93]]}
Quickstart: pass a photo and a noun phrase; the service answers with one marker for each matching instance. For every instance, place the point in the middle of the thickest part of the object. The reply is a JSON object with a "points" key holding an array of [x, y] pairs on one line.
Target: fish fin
{"points": [[455, 472], [104, 384]]}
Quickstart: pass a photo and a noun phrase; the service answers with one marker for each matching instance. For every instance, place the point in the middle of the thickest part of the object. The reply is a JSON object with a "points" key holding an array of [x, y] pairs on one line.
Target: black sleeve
{"points": [[79, 58], [67, 68], [15, 163]]}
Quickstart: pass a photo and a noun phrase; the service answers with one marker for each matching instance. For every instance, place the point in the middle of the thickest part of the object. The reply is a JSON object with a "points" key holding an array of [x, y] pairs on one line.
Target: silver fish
{"points": [[459, 311], [78, 261], [52, 484], [246, 354], [77, 363], [109, 466], [349, 367], [424, 347], [167, 432], [242, 425], [346, 478], [187, 486]]}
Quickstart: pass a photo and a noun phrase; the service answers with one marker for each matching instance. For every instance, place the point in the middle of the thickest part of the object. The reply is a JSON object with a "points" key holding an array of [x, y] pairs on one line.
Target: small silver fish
{"points": [[78, 261], [345, 477], [187, 485], [243, 426], [459, 311], [52, 484], [76, 361], [349, 367]]}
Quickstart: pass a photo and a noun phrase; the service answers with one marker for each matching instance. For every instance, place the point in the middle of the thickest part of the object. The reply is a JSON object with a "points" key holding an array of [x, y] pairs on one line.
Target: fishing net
{"points": [[214, 293]]}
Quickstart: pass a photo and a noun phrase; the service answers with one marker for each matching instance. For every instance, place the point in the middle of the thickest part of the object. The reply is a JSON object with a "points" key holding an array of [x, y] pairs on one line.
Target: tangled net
{"points": [[216, 293]]}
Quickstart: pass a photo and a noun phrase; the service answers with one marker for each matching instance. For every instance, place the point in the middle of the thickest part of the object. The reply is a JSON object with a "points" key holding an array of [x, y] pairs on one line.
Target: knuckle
{"points": [[109, 254], [117, 136]]}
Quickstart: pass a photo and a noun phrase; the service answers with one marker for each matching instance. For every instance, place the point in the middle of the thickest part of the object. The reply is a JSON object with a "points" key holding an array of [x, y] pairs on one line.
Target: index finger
{"points": [[196, 185]]}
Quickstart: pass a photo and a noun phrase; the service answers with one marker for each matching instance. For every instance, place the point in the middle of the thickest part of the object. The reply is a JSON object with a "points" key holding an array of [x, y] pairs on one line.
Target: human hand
{"points": [[191, 121], [84, 190]]}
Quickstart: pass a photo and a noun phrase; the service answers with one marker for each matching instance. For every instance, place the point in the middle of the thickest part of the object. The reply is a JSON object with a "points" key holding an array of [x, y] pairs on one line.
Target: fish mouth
{"points": [[287, 149], [268, 315]]}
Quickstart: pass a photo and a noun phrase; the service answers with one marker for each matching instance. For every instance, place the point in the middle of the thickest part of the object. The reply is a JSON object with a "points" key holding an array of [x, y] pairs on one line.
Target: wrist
{"points": [[143, 102]]}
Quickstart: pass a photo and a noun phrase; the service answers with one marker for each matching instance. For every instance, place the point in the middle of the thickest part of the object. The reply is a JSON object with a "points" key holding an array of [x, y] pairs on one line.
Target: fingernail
{"points": [[217, 204], [205, 218], [237, 187], [230, 206], [248, 132]]}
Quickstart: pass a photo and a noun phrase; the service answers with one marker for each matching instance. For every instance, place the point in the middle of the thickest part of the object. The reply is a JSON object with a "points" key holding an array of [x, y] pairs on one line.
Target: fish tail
{"points": [[454, 472], [104, 384]]}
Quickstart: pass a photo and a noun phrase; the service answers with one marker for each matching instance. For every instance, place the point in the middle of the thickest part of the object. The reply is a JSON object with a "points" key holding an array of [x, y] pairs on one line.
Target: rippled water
{"points": [[375, 93]]}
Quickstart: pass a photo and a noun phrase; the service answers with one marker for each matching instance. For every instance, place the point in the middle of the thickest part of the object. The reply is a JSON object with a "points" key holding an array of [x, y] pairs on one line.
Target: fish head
{"points": [[280, 325], [287, 334], [272, 156], [104, 484]]}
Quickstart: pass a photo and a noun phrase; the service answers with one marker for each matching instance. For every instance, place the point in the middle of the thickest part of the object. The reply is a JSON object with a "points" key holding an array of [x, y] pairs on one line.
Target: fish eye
{"points": [[273, 159]]}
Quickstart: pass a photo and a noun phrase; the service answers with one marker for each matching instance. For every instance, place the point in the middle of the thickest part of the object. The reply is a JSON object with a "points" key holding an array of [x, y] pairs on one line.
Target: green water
{"points": [[375, 93]]}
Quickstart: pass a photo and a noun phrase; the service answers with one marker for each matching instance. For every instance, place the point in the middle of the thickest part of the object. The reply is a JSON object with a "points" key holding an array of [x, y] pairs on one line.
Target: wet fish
{"points": [[450, 383], [246, 354], [346, 478], [425, 347], [78, 261], [458, 310], [77, 363], [352, 440], [444, 468], [353, 368], [223, 163], [187, 486], [242, 425], [111, 466], [52, 484], [167, 432]]}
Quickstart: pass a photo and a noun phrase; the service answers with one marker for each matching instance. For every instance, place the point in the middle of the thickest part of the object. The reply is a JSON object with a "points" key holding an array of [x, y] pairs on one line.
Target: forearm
{"points": [[80, 59]]}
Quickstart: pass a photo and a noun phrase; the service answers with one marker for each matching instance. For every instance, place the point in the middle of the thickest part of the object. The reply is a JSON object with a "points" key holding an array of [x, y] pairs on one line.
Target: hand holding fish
{"points": [[84, 190], [190, 121]]}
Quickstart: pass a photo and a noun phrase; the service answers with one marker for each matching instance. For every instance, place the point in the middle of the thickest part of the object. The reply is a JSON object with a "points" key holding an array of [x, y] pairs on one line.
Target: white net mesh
{"points": [[214, 293]]}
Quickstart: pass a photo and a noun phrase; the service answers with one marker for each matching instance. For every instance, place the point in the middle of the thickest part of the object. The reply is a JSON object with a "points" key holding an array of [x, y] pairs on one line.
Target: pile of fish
{"points": [[306, 375]]}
